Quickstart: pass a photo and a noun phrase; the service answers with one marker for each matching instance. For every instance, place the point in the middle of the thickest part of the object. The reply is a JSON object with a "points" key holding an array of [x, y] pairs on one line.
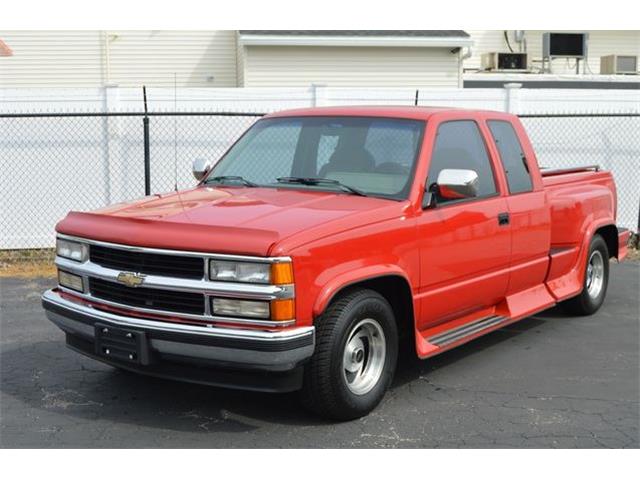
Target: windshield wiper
{"points": [[321, 181], [231, 178]]}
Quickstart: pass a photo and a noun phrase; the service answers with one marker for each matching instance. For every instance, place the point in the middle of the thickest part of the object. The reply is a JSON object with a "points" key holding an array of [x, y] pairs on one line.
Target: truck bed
{"points": [[574, 195]]}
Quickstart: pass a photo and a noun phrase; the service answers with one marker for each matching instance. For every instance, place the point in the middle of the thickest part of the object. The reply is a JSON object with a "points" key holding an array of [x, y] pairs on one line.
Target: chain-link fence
{"points": [[54, 163], [609, 140]]}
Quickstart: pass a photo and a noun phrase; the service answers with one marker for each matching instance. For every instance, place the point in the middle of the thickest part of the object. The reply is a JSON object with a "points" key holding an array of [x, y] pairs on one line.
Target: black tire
{"points": [[325, 390], [587, 303]]}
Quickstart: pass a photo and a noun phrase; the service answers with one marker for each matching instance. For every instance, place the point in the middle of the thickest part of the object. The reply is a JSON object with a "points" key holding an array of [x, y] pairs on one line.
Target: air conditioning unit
{"points": [[619, 64], [567, 45], [504, 62]]}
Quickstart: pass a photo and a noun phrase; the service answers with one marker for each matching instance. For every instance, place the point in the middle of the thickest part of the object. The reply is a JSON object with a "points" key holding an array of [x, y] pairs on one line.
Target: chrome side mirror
{"points": [[454, 184], [200, 168]]}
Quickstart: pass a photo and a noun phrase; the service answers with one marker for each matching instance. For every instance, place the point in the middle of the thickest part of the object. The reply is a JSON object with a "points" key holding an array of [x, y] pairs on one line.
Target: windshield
{"points": [[372, 156]]}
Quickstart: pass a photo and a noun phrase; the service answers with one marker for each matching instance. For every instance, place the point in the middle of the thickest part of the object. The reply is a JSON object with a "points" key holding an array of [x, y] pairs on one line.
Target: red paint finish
{"points": [[464, 260], [246, 221], [458, 262]]}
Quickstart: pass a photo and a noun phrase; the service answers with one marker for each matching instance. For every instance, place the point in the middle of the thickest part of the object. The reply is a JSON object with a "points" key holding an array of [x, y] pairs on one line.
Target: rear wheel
{"points": [[355, 356], [596, 280]]}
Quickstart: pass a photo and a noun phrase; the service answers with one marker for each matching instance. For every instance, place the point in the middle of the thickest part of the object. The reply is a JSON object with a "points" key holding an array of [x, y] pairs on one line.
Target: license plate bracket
{"points": [[122, 344]]}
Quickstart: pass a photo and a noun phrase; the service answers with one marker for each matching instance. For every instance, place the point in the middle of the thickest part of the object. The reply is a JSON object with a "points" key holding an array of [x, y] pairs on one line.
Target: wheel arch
{"points": [[393, 286], [610, 235], [604, 229]]}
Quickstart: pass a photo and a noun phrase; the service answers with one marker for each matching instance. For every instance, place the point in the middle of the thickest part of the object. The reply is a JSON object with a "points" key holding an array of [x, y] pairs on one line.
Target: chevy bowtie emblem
{"points": [[130, 279]]}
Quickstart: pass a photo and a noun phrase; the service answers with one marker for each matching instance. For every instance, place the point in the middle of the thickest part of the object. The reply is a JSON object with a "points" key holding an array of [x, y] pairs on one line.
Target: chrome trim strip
{"points": [[133, 248], [458, 333], [299, 332], [207, 317], [249, 291]]}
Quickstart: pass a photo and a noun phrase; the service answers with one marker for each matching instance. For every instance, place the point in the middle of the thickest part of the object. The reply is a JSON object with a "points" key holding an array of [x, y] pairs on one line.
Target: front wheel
{"points": [[355, 356], [596, 280]]}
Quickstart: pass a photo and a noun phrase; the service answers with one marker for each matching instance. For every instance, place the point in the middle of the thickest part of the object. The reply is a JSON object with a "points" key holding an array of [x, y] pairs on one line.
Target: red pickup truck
{"points": [[325, 240]]}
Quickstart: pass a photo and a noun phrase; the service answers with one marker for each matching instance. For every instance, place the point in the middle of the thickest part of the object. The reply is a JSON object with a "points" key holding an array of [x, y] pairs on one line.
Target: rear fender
{"points": [[571, 284], [588, 236]]}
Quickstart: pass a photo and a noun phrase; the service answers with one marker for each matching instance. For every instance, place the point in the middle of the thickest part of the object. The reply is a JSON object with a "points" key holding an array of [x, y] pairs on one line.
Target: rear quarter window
{"points": [[512, 156]]}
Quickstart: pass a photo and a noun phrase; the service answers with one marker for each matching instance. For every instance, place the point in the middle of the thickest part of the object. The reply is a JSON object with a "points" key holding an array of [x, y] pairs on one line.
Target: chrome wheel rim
{"points": [[364, 355], [595, 274]]}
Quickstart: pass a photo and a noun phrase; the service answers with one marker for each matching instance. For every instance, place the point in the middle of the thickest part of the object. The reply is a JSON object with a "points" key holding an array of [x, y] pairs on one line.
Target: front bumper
{"points": [[250, 359]]}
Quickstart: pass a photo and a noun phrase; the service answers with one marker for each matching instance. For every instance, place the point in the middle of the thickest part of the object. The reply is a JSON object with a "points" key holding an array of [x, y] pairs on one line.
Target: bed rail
{"points": [[548, 172]]}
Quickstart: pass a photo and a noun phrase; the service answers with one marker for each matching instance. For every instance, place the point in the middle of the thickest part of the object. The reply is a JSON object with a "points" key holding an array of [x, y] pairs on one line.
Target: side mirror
{"points": [[454, 184], [200, 168]]}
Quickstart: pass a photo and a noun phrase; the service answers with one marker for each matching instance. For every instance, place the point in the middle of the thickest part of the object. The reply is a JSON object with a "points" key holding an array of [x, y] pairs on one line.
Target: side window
{"points": [[512, 156], [459, 144]]}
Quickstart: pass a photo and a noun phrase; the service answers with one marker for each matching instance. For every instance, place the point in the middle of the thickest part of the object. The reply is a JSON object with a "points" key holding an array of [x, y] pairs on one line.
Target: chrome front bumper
{"points": [[275, 351]]}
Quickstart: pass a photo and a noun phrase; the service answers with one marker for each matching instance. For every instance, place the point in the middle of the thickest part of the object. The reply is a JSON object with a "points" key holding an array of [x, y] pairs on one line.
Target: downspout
{"points": [[236, 44], [466, 55], [107, 57]]}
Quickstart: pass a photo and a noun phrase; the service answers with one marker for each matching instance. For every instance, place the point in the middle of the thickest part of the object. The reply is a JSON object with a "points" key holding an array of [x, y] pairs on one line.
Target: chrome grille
{"points": [[151, 298], [179, 266], [172, 282]]}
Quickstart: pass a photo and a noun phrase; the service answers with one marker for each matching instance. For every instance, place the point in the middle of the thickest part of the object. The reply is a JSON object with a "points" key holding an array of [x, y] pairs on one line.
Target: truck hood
{"points": [[247, 221]]}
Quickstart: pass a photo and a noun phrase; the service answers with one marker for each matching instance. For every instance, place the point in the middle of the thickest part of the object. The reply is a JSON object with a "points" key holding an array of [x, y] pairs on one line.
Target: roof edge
{"points": [[249, 39]]}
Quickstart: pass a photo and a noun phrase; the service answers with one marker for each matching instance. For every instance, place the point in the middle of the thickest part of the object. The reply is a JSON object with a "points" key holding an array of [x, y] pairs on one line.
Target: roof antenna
{"points": [[147, 155], [415, 102], [175, 131]]}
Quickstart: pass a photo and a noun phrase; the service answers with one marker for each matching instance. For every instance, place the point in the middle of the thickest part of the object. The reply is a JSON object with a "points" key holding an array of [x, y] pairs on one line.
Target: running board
{"points": [[455, 334]]}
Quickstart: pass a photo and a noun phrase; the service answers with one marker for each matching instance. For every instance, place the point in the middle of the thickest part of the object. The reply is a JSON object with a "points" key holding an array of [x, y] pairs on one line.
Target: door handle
{"points": [[503, 218]]}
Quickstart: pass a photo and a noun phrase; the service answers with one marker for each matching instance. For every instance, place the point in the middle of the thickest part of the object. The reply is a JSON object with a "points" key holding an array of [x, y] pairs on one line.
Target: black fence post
{"points": [[147, 153], [638, 229]]}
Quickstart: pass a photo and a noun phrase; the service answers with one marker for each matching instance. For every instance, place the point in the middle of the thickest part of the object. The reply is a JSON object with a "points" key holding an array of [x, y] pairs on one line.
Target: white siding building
{"points": [[227, 58], [125, 58], [599, 43], [350, 66], [342, 58], [50, 59], [285, 58]]}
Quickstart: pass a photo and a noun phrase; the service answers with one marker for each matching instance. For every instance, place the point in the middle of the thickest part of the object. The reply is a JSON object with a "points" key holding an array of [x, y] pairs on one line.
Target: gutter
{"points": [[354, 41]]}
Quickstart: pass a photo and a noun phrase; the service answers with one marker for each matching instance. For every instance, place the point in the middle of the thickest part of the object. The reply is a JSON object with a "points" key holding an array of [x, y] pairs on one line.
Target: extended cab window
{"points": [[512, 156], [373, 155], [459, 145]]}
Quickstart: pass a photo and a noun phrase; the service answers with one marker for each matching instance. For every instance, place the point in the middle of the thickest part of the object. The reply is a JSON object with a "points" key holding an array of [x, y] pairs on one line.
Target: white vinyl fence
{"points": [[53, 164]]}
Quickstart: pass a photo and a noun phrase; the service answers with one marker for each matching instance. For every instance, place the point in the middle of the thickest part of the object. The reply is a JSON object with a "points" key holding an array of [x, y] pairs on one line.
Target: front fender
{"points": [[351, 277]]}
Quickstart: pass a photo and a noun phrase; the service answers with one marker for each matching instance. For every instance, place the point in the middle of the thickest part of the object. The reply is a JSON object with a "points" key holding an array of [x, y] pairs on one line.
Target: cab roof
{"points": [[410, 112]]}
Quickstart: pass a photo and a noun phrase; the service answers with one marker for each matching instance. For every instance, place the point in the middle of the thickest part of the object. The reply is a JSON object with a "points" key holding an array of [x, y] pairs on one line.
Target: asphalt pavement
{"points": [[547, 381]]}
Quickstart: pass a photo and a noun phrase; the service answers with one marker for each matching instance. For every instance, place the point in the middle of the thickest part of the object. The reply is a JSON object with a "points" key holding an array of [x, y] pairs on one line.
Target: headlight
{"points": [[279, 273], [71, 250], [227, 271], [240, 308], [69, 280]]}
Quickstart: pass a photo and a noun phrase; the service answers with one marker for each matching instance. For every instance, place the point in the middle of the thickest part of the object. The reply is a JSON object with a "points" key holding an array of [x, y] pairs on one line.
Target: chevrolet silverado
{"points": [[327, 239]]}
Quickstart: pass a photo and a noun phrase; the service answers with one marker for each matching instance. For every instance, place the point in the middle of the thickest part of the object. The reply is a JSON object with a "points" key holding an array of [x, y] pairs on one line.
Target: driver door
{"points": [[465, 244]]}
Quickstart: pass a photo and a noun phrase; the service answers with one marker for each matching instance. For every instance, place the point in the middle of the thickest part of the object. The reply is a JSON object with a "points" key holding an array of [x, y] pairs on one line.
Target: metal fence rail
{"points": [[54, 163]]}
